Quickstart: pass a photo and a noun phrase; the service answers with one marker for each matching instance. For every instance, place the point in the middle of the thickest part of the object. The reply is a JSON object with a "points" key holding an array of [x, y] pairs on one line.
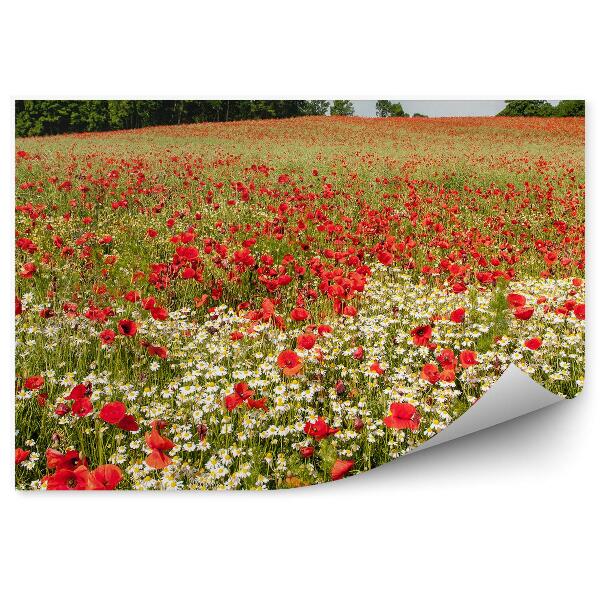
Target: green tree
{"points": [[420, 115], [570, 108], [289, 108], [91, 115], [383, 108], [343, 108], [387, 108], [527, 108], [118, 114], [236, 110], [50, 117], [315, 107]]}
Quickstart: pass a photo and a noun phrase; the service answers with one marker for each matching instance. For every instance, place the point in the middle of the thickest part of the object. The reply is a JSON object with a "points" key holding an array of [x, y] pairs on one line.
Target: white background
{"points": [[507, 513]]}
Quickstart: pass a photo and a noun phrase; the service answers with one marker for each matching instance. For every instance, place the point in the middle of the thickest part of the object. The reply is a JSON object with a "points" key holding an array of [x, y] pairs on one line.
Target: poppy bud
{"points": [[202, 430], [61, 409], [307, 451]]}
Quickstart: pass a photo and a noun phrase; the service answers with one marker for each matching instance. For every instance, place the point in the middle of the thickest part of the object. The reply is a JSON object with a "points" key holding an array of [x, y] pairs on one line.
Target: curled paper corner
{"points": [[513, 395]]}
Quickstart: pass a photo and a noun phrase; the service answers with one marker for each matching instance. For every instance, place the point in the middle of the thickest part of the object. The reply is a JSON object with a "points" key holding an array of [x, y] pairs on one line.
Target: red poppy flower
{"points": [[458, 315], [79, 391], [242, 393], [159, 313], [385, 258], [447, 359], [67, 479], [21, 455], [243, 390], [107, 337], [70, 460], [403, 416], [127, 327], [158, 459], [112, 412], [70, 309], [447, 375], [159, 351], [468, 358], [148, 303], [306, 341], [105, 477], [430, 373], [376, 368], [35, 382], [132, 296], [232, 401], [323, 329], [199, 302], [421, 335], [260, 403], [82, 406], [289, 362], [128, 423], [516, 300], [28, 270], [299, 314], [523, 313], [579, 311], [319, 429], [340, 468], [533, 343], [350, 311]]}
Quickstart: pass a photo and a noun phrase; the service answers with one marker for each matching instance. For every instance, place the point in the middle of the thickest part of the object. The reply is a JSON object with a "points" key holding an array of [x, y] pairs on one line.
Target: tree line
{"points": [[50, 117], [543, 108]]}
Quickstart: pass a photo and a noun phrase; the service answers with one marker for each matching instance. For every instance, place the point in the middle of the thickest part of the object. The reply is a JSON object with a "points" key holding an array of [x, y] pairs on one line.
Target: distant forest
{"points": [[51, 117]]}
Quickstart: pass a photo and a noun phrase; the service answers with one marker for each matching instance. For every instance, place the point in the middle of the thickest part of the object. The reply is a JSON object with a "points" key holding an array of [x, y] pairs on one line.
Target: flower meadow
{"points": [[273, 304]]}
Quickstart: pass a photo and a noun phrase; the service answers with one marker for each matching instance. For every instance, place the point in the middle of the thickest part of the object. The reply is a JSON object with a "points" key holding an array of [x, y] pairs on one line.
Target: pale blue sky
{"points": [[439, 108]]}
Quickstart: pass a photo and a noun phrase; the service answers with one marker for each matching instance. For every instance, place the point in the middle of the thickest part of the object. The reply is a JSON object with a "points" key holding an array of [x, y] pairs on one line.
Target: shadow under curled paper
{"points": [[513, 395], [243, 302]]}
